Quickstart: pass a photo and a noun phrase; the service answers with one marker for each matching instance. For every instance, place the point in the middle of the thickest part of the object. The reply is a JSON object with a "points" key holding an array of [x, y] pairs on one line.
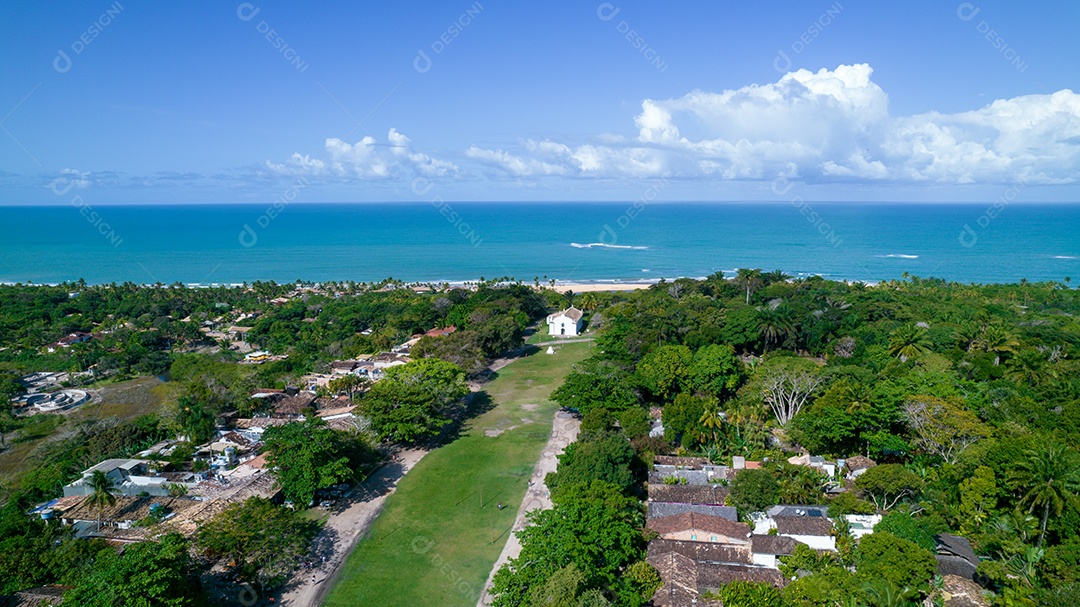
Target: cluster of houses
{"points": [[699, 544]]}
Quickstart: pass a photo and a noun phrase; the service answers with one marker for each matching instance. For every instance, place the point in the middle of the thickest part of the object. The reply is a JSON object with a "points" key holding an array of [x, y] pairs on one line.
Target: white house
{"points": [[565, 323]]}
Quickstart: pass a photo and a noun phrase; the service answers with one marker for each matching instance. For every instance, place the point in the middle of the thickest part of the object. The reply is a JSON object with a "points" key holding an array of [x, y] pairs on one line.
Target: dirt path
{"points": [[344, 528], [563, 432]]}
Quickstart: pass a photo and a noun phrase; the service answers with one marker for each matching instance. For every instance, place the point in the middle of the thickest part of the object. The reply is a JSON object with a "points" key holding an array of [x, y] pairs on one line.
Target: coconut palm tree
{"points": [[997, 340], [588, 302], [712, 420], [101, 495], [748, 279], [775, 325], [908, 341], [1029, 367], [1048, 476]]}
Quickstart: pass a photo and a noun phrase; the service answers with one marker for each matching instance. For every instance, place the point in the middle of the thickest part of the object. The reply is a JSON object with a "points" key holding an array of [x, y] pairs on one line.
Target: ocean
{"points": [[581, 242]]}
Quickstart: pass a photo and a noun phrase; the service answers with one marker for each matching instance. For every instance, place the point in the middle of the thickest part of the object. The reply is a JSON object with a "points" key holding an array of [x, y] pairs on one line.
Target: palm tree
{"points": [[101, 495], [997, 340], [711, 419], [1029, 367], [1049, 476], [775, 276], [908, 341], [774, 325], [588, 302], [749, 280]]}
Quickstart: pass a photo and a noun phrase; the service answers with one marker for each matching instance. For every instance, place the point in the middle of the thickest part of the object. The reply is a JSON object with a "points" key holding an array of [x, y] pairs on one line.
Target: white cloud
{"points": [[366, 159], [829, 125]]}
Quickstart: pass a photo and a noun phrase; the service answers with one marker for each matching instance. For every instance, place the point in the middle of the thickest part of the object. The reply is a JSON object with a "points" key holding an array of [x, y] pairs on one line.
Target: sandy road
{"points": [[563, 432]]}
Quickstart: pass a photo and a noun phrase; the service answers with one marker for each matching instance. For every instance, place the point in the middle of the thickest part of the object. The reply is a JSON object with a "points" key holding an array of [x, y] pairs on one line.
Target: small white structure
{"points": [[551, 350], [566, 323]]}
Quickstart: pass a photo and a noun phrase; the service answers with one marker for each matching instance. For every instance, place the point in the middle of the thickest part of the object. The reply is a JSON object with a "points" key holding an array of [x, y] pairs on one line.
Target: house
{"points": [[566, 323], [697, 527], [42, 596], [961, 592], [691, 569], [955, 556], [662, 509], [131, 477], [739, 462], [77, 337], [239, 333], [441, 332], [124, 515], [710, 494], [809, 525], [855, 466], [766, 548]]}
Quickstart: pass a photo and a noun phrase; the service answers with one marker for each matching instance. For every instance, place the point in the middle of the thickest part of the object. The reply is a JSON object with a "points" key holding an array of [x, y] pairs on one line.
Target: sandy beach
{"points": [[587, 287]]}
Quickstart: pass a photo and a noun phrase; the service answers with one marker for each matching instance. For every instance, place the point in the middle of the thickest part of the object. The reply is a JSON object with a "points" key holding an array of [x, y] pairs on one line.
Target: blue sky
{"points": [[250, 102]]}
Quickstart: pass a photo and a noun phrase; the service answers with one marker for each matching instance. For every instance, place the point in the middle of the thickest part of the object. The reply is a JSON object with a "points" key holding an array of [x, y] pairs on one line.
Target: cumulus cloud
{"points": [[829, 125], [366, 159]]}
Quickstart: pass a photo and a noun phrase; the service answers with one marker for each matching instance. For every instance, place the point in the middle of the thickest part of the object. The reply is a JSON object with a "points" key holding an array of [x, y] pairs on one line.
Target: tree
{"points": [[887, 484], [775, 325], [593, 526], [665, 370], [144, 574], [753, 490], [606, 457], [997, 340], [749, 594], [715, 371], [883, 556], [412, 400], [909, 341], [1029, 367], [588, 302], [306, 456], [905, 526], [749, 280], [101, 492], [194, 420], [1048, 476], [596, 384], [943, 427], [681, 418], [264, 540], [349, 384], [786, 386], [634, 422], [978, 498]]}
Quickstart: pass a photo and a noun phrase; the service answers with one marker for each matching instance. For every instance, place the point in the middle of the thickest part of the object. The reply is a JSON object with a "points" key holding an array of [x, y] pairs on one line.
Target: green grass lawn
{"points": [[440, 532]]}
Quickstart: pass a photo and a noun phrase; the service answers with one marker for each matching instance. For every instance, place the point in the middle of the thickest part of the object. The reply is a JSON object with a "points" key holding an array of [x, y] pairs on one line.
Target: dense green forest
{"points": [[155, 330], [967, 396]]}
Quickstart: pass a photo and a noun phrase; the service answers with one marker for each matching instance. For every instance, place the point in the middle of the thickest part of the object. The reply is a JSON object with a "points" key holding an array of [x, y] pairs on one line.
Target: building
{"points": [[566, 323], [132, 477], [696, 527], [42, 596], [955, 556], [808, 525]]}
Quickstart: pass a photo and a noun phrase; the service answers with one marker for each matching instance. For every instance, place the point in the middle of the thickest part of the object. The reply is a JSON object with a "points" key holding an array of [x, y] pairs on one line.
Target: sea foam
{"points": [[602, 245]]}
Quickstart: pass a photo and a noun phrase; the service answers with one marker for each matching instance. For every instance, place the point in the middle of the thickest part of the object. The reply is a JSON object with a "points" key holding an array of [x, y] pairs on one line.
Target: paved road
{"points": [[563, 432]]}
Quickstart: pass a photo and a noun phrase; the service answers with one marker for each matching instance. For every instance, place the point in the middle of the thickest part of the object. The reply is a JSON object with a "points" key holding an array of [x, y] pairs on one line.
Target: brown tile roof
{"points": [[713, 575], [803, 525], [708, 552], [679, 574], [129, 509], [712, 494], [42, 596], [572, 313], [693, 520], [859, 462], [292, 405], [772, 544], [963, 592], [260, 422], [688, 462]]}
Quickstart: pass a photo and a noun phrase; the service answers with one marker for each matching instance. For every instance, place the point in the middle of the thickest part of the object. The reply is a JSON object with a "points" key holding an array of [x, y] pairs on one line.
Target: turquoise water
{"points": [[464, 241]]}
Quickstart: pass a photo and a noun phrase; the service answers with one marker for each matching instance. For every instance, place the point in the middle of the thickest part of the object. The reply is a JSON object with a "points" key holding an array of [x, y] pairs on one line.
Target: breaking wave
{"points": [[602, 245]]}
